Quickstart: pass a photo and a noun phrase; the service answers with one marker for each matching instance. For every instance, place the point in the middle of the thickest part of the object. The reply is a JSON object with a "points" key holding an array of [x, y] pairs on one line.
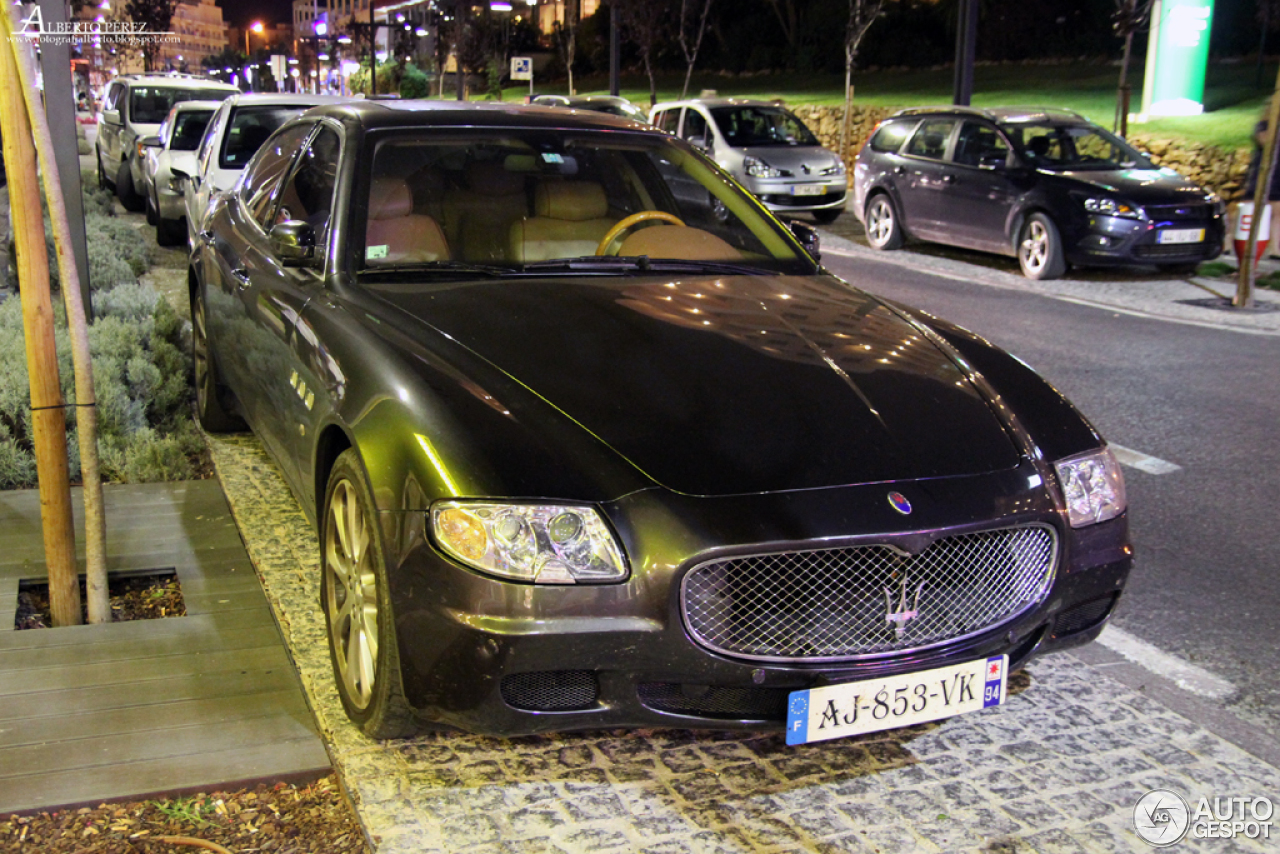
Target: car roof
{"points": [[720, 102], [184, 81], [1004, 115], [184, 106], [380, 114], [284, 99]]}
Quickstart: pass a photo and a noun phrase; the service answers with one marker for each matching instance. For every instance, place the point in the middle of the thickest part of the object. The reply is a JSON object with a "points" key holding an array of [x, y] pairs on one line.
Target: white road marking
{"points": [[1142, 462], [1187, 676]]}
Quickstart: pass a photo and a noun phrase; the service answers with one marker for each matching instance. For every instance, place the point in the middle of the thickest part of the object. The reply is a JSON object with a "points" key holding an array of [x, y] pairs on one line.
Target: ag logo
{"points": [[1161, 817]]}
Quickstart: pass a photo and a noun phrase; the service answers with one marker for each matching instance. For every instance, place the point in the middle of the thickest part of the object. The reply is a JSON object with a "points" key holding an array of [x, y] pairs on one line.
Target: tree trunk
{"points": [[48, 418]]}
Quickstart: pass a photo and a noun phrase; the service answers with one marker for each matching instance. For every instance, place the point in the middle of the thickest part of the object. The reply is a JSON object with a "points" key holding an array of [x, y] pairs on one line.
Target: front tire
{"points": [[103, 183], [1040, 249], [125, 192], [356, 598], [153, 211], [214, 415], [884, 229]]}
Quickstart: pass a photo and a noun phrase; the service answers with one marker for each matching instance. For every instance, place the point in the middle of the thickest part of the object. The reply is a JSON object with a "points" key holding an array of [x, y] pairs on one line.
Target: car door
{"points": [[250, 343], [978, 190], [923, 178], [109, 130], [195, 191]]}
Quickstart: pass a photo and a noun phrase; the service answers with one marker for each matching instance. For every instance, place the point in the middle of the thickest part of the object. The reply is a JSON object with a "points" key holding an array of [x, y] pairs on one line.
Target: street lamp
{"points": [[256, 27]]}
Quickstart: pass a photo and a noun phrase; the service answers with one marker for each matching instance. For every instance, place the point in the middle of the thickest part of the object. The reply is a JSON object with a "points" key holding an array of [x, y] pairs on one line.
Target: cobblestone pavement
{"points": [[1057, 770]]}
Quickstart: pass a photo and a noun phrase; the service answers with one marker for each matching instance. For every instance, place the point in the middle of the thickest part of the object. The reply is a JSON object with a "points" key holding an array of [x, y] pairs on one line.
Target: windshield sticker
{"points": [[372, 252], [552, 157]]}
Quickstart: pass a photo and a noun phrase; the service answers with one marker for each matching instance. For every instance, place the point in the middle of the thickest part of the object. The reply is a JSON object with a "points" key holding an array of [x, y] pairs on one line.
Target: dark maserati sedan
{"points": [[1046, 186], [591, 440]]}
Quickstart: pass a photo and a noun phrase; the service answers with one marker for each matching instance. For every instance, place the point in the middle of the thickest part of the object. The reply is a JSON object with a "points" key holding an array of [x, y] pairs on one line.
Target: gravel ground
{"points": [[281, 819]]}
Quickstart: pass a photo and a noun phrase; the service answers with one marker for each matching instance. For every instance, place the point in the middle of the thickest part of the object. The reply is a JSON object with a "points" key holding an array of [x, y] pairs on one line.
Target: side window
{"points": [[308, 194], [695, 127], [980, 145], [265, 173], [890, 136], [1043, 144], [113, 97], [207, 143], [930, 139], [667, 120]]}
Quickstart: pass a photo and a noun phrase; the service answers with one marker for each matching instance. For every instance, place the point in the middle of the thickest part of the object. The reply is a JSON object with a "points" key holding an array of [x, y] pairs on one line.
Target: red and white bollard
{"points": [[1244, 221]]}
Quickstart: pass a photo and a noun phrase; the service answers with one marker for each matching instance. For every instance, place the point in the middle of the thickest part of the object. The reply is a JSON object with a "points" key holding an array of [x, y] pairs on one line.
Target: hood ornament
{"points": [[899, 502], [903, 615]]}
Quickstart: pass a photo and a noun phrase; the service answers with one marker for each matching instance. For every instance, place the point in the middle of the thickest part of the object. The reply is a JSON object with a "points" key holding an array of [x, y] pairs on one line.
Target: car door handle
{"points": [[948, 179], [899, 170], [241, 275]]}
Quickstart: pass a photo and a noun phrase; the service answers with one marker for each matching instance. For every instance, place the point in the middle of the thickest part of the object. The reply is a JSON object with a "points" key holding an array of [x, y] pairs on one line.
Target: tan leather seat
{"points": [[395, 234], [478, 216], [674, 241], [569, 220]]}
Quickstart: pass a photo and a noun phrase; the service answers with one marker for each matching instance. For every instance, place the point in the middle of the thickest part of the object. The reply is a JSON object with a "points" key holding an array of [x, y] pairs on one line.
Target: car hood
{"points": [[729, 385], [793, 158], [1142, 186]]}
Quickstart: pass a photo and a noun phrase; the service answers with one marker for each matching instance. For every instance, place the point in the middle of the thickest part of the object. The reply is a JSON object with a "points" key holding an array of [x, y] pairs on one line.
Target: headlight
{"points": [[757, 168], [1111, 207], [1215, 201], [542, 543], [1092, 486]]}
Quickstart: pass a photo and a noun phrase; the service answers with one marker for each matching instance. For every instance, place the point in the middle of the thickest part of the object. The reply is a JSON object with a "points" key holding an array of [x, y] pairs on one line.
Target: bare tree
{"points": [[862, 14], [566, 36], [1129, 17], [1268, 15], [645, 25], [788, 15], [691, 41], [156, 17]]}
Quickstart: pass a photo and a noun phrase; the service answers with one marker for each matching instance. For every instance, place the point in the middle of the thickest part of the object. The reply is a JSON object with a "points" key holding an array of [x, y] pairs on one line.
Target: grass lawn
{"points": [[1233, 103]]}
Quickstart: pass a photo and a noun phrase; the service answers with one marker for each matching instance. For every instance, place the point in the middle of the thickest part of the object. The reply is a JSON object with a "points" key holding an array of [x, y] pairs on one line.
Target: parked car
{"points": [[766, 148], [1046, 186], [173, 147], [132, 107], [241, 124], [610, 104], [584, 455]]}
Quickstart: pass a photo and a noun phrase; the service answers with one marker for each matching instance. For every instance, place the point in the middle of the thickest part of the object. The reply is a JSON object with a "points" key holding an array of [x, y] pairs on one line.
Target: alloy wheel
{"points": [[200, 356], [880, 224], [1035, 246], [351, 593]]}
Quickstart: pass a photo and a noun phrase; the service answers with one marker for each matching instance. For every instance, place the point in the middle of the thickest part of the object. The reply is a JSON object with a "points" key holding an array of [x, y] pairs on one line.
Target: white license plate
{"points": [[1181, 235], [854, 708], [808, 189]]}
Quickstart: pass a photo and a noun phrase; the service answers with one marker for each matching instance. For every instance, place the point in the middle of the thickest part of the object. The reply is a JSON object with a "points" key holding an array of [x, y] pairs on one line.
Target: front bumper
{"points": [[494, 657], [1109, 241], [797, 195]]}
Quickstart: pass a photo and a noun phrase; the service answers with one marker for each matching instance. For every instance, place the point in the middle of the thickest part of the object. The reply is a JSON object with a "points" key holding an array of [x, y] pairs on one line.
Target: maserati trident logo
{"points": [[903, 614], [899, 502]]}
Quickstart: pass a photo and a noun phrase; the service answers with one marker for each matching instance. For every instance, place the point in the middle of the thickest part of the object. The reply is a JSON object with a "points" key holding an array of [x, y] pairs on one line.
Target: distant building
{"points": [[201, 33]]}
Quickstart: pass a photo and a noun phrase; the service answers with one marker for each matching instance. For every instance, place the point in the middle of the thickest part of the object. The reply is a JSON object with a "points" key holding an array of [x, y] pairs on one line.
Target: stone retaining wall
{"points": [[1220, 170]]}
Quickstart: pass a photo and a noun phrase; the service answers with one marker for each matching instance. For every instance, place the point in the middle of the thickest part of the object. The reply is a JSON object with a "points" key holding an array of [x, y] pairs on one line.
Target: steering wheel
{"points": [[627, 222]]}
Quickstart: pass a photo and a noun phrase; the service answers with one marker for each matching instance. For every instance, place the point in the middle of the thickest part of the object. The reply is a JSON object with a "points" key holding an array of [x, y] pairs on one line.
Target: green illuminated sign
{"points": [[1177, 52]]}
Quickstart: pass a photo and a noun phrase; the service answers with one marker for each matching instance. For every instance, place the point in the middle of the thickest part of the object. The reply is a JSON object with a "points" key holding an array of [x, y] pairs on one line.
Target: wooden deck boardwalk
{"points": [[134, 709]]}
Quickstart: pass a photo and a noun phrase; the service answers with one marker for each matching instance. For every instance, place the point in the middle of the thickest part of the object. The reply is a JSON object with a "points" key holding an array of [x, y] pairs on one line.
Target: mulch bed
{"points": [[133, 597], [282, 819]]}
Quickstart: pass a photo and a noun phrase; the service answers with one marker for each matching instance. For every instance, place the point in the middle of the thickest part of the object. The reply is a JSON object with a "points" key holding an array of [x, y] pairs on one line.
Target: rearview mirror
{"points": [[808, 237], [293, 242]]}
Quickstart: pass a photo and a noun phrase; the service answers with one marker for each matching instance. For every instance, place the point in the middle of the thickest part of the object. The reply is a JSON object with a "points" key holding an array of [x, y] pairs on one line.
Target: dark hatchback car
{"points": [[586, 452], [1046, 186]]}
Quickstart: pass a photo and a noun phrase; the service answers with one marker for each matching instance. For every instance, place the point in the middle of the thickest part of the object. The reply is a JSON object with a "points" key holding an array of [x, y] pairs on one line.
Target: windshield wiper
{"points": [[439, 267], [641, 263]]}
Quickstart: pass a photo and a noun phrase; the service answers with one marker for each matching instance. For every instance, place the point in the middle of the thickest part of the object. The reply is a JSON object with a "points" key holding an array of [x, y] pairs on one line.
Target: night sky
{"points": [[236, 13]]}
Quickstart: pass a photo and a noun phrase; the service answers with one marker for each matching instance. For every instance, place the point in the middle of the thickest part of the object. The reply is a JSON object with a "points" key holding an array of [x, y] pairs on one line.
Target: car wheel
{"points": [[153, 215], [1040, 249], [125, 191], [357, 606], [214, 415], [883, 229], [103, 183], [828, 216], [171, 232]]}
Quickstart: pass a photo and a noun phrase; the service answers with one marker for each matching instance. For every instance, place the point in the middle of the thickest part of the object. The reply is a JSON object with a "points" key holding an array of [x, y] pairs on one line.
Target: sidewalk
{"points": [[1059, 769]]}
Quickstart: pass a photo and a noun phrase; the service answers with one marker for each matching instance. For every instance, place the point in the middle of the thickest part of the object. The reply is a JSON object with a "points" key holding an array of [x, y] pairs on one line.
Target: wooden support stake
{"points": [[1248, 268], [48, 419]]}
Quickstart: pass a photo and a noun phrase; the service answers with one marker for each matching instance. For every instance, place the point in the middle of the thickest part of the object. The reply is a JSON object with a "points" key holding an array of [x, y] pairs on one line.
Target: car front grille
{"points": [[786, 200], [551, 690], [1178, 213], [842, 603], [1160, 252]]}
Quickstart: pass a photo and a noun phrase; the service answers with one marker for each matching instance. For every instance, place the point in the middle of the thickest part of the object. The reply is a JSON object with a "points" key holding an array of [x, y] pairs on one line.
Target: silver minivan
{"points": [[766, 148]]}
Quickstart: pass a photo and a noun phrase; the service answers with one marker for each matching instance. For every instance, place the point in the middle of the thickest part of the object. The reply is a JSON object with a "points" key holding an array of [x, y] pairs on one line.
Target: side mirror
{"points": [[808, 237], [293, 242], [111, 117], [151, 141]]}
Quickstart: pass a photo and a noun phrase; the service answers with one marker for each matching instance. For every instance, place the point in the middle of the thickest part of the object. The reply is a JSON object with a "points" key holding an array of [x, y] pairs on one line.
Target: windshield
{"points": [[149, 105], [511, 201], [744, 127], [250, 127], [1076, 146]]}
